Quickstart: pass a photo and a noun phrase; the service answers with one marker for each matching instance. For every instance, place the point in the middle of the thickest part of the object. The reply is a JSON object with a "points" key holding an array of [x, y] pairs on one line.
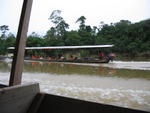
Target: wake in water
{"points": [[130, 65], [140, 65], [137, 99], [132, 93]]}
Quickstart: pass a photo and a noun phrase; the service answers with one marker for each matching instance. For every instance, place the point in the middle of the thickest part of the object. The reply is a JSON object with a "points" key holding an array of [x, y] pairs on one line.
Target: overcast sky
{"points": [[95, 11]]}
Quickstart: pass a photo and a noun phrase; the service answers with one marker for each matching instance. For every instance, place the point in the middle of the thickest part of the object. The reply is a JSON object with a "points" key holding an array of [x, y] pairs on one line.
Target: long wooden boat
{"points": [[81, 60], [84, 60]]}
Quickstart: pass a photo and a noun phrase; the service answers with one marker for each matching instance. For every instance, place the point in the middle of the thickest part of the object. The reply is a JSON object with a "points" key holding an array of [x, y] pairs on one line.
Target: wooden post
{"points": [[18, 60]]}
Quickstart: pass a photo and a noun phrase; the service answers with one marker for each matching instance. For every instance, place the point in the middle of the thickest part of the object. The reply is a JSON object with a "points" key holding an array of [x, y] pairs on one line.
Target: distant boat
{"points": [[75, 59]]}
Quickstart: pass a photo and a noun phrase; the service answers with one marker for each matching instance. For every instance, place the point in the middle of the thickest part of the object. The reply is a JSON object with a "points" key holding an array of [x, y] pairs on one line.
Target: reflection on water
{"points": [[100, 70], [5, 67], [95, 82]]}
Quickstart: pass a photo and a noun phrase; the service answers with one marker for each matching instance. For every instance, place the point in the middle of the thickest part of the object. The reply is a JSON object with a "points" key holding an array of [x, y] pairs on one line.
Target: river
{"points": [[118, 83]]}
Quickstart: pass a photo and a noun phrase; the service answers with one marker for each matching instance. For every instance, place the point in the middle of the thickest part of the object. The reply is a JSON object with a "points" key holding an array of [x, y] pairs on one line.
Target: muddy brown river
{"points": [[118, 83]]}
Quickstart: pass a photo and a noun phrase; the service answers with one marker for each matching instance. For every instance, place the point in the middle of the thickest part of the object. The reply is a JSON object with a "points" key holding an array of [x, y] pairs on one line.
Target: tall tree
{"points": [[59, 22], [85, 32], [60, 27], [10, 41], [4, 29], [81, 21], [3, 45]]}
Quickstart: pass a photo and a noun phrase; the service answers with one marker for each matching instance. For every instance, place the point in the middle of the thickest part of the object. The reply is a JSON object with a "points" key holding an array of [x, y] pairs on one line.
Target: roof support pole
{"points": [[18, 60]]}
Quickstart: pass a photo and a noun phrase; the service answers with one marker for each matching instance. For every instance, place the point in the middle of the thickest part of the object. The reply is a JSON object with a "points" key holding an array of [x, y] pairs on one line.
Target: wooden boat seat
{"points": [[17, 99]]}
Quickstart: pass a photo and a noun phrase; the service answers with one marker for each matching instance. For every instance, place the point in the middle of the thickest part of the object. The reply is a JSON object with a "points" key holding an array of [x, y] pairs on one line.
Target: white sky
{"points": [[95, 11]]}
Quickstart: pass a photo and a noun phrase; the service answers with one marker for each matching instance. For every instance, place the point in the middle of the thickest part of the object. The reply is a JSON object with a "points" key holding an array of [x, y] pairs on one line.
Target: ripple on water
{"points": [[137, 99], [111, 90]]}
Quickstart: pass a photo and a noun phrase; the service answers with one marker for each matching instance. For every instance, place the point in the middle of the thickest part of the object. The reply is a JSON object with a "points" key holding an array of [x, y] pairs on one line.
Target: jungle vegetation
{"points": [[130, 39]]}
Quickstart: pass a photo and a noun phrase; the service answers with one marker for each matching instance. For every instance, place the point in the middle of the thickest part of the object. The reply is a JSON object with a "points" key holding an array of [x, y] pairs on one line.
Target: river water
{"points": [[118, 83]]}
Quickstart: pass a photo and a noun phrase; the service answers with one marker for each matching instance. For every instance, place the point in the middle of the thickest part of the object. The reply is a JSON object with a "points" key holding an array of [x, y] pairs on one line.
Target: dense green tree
{"points": [[3, 45], [34, 40], [60, 25], [73, 38], [10, 41], [130, 39], [81, 21], [4, 29], [85, 32]]}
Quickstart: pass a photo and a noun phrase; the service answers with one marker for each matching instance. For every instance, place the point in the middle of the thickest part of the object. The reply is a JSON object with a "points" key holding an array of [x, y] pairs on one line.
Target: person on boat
{"points": [[71, 57], [41, 57], [75, 58], [62, 58], [111, 56], [33, 57], [59, 56], [101, 55], [49, 58]]}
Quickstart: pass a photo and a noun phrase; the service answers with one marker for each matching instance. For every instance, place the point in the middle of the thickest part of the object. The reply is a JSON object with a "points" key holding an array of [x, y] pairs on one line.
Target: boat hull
{"points": [[73, 61]]}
